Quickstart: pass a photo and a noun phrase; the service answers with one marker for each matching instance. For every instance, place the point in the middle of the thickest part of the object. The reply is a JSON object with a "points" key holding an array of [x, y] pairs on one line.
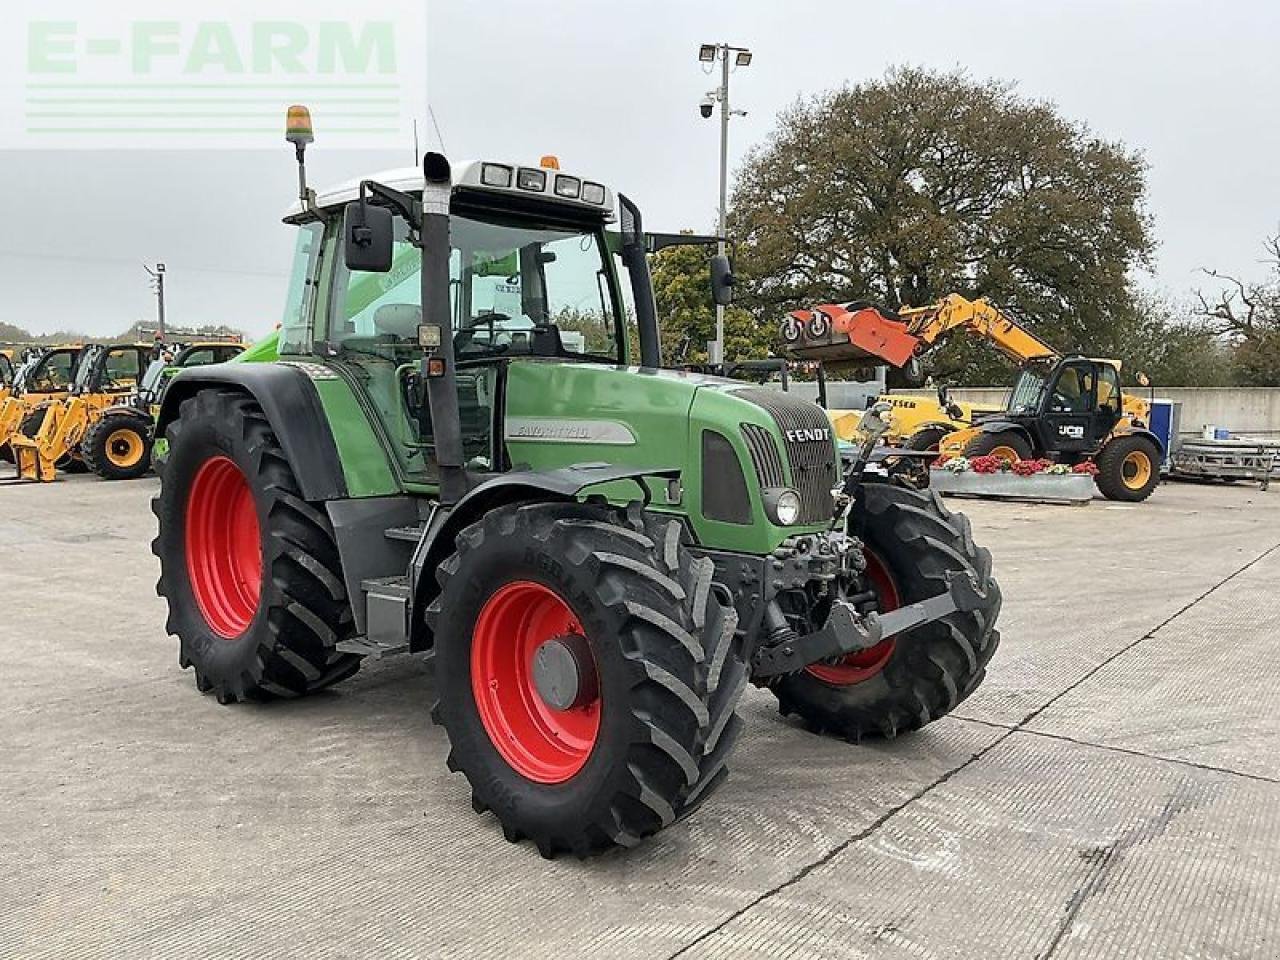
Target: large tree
{"points": [[1247, 316], [903, 189]]}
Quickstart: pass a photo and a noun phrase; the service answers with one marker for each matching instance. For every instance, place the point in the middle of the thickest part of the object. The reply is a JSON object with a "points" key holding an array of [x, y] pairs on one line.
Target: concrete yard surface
{"points": [[1112, 790]]}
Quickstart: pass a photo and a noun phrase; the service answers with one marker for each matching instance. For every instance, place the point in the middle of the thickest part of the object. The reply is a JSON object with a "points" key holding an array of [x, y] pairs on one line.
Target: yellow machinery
{"points": [[44, 377], [105, 374], [1069, 409], [7, 371]]}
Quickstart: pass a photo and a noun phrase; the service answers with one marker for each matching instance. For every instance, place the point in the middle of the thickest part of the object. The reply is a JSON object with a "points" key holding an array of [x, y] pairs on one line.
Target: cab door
{"points": [[1067, 417]]}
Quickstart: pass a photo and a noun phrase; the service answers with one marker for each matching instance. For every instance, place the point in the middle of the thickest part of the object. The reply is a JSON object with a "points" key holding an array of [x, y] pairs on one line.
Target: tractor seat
{"points": [[398, 320]]}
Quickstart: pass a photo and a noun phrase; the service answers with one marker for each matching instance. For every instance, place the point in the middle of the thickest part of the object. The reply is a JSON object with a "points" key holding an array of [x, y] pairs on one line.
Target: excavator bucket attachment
{"points": [[857, 333]]}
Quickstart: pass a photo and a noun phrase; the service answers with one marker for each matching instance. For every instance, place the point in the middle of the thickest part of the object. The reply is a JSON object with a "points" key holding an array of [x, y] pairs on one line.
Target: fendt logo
{"points": [[143, 74], [808, 435]]}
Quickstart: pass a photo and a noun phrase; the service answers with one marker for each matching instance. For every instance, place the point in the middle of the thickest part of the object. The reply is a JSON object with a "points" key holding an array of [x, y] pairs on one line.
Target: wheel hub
{"points": [[563, 673]]}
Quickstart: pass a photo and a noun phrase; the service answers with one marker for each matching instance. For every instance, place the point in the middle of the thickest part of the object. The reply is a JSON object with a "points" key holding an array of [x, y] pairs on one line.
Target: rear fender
{"points": [[293, 408]]}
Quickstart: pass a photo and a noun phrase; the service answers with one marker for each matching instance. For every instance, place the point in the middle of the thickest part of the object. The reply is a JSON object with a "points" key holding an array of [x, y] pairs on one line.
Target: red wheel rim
{"points": [[860, 666], [539, 742], [224, 550]]}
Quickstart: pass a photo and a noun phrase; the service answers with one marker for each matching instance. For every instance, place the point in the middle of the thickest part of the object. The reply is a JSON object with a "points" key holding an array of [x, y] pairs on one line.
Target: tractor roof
{"points": [[471, 176]]}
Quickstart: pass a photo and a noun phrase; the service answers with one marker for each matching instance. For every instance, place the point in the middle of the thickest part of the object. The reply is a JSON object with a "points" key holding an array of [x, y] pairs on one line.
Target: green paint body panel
{"points": [[666, 412], [261, 351], [656, 418]]}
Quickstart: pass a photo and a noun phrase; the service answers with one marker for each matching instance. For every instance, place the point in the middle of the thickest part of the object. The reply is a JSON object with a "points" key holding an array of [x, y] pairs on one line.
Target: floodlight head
{"points": [[743, 59], [707, 52]]}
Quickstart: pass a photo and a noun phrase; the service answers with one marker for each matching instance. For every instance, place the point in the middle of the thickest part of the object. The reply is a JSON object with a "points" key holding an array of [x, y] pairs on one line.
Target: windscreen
{"points": [[508, 279]]}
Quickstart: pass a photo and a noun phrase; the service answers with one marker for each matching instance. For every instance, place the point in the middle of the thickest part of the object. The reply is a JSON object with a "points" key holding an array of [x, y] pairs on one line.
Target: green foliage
{"points": [[904, 189], [687, 316]]}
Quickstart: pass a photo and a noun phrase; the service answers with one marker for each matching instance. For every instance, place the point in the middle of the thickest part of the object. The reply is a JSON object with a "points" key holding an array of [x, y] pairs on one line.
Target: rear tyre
{"points": [[912, 542], [643, 734], [118, 446], [926, 439], [1007, 445], [1128, 469], [249, 569]]}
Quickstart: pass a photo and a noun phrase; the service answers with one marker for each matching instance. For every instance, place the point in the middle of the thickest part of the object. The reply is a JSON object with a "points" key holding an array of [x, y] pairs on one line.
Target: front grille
{"points": [[764, 455], [813, 463]]}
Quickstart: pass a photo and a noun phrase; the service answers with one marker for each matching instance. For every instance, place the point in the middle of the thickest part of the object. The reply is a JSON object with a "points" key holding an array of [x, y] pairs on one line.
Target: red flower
{"points": [[1087, 466], [986, 464]]}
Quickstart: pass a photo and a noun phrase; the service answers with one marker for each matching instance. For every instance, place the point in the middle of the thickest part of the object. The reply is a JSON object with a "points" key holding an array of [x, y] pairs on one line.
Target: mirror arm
{"points": [[403, 204]]}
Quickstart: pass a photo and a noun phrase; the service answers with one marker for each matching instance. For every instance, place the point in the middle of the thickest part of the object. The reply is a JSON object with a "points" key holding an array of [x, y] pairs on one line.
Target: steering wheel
{"points": [[467, 334]]}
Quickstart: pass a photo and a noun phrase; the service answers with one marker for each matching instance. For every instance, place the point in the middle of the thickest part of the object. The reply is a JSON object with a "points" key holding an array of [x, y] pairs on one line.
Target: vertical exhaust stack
{"points": [[437, 333]]}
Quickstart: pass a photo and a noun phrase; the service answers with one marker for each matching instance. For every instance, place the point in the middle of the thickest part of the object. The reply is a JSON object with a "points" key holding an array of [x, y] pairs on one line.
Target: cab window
{"points": [[1072, 392], [122, 369], [1109, 388], [54, 373]]}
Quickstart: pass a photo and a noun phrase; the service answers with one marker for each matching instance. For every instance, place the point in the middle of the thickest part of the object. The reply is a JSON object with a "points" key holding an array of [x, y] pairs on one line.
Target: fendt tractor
{"points": [[455, 454]]}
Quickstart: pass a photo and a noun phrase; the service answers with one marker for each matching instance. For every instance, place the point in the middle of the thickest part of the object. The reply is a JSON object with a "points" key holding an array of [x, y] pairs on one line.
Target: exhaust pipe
{"points": [[438, 361]]}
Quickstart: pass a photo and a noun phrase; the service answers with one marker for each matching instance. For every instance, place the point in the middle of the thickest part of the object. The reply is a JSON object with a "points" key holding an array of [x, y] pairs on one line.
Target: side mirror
{"points": [[366, 237], [721, 280]]}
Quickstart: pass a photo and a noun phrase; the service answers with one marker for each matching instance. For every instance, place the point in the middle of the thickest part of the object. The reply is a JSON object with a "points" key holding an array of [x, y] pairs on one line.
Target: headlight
{"points": [[495, 175], [783, 506], [531, 179]]}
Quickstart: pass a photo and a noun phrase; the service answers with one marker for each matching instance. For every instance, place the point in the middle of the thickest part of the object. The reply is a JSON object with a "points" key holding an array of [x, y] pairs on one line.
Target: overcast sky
{"points": [[613, 88]]}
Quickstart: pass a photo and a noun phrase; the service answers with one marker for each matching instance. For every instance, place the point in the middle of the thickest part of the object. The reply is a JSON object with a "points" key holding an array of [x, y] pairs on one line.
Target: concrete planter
{"points": [[1074, 488]]}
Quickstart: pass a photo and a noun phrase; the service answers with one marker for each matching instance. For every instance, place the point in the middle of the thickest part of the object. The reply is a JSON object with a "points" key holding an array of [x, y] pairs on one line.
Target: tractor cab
{"points": [[531, 278], [1069, 407]]}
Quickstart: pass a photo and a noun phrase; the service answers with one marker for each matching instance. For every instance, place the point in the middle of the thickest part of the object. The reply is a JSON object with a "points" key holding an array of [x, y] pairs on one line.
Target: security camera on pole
{"points": [[709, 53]]}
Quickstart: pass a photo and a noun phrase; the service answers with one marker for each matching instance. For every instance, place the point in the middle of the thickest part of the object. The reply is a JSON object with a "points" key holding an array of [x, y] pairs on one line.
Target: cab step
{"points": [[386, 618], [407, 534]]}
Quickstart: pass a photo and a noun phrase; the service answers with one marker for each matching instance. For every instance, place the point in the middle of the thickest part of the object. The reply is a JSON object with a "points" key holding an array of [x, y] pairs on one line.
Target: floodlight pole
{"points": [[723, 51], [157, 277], [724, 187]]}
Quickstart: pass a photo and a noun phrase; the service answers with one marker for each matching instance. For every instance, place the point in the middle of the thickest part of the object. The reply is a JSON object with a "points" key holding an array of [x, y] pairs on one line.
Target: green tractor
{"points": [[455, 454]]}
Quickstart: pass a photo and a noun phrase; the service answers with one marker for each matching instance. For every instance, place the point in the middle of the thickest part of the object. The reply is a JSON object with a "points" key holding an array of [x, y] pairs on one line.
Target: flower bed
{"points": [[1023, 468], [1020, 479]]}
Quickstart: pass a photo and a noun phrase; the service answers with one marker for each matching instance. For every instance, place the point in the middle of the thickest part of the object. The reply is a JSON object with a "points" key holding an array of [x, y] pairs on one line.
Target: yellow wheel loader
{"points": [[105, 374]]}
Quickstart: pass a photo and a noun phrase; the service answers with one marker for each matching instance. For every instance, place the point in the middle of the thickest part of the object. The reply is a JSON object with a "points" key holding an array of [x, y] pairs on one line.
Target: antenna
{"points": [[415, 141], [432, 114]]}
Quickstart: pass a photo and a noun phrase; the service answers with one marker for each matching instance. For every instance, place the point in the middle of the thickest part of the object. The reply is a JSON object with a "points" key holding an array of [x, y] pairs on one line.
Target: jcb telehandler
{"points": [[1064, 408], [44, 377], [598, 555], [65, 431], [118, 441]]}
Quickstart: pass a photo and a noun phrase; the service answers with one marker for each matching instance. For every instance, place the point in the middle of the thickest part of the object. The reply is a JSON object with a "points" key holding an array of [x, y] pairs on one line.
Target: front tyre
{"points": [[117, 446], [1128, 469], [249, 569], [587, 674], [912, 541]]}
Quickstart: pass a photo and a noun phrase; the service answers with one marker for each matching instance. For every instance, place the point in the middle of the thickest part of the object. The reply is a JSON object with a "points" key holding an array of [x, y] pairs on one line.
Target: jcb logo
{"points": [[1072, 431]]}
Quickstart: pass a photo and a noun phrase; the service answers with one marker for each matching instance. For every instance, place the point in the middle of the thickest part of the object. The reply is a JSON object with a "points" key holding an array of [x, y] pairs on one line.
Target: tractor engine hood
{"points": [[734, 443]]}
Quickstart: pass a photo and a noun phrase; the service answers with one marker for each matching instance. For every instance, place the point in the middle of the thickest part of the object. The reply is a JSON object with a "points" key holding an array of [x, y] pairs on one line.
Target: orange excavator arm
{"points": [[862, 332]]}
